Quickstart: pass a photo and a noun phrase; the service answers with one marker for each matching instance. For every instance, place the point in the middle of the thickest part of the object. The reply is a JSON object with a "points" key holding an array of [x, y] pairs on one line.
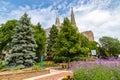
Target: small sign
{"points": [[119, 56], [93, 52]]}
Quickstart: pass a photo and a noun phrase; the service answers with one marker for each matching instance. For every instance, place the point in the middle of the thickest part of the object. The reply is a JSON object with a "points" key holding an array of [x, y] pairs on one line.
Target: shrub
{"points": [[79, 58], [46, 64], [1, 65], [49, 64], [76, 59], [58, 59], [36, 68]]}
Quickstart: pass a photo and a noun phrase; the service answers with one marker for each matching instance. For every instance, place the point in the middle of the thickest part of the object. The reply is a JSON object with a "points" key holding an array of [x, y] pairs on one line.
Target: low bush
{"points": [[58, 59], [47, 64], [36, 68], [1, 65], [79, 58]]}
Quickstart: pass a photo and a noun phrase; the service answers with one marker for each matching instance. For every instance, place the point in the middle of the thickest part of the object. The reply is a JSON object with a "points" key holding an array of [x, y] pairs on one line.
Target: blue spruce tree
{"points": [[23, 46]]}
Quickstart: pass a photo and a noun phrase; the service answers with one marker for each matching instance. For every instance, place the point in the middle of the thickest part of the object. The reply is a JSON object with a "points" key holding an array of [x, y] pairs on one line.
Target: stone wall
{"points": [[89, 35], [23, 75]]}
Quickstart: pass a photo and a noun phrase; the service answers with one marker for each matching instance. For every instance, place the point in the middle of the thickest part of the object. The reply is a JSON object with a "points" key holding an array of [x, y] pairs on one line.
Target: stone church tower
{"points": [[73, 18], [57, 21], [88, 34]]}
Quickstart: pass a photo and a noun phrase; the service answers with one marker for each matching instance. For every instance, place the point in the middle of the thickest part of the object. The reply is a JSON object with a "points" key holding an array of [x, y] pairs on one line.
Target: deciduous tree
{"points": [[112, 45], [51, 42], [68, 43]]}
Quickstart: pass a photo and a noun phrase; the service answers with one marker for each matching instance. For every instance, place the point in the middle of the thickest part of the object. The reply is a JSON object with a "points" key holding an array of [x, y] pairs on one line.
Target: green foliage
{"points": [[103, 52], [1, 65], [36, 68], [79, 58], [111, 45], [60, 59], [47, 64], [6, 31], [51, 43], [22, 46], [83, 40], [87, 45], [40, 38], [96, 73], [68, 43]]}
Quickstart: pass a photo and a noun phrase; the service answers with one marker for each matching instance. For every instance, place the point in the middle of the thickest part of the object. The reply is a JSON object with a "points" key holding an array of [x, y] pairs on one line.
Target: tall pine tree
{"points": [[23, 46], [51, 42]]}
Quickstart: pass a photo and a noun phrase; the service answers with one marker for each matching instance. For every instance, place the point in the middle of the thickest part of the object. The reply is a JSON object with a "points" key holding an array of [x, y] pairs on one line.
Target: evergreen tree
{"points": [[40, 38], [68, 43], [23, 46], [51, 42]]}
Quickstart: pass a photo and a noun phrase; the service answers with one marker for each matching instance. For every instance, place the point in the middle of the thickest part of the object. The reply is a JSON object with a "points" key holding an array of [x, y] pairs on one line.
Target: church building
{"points": [[89, 34]]}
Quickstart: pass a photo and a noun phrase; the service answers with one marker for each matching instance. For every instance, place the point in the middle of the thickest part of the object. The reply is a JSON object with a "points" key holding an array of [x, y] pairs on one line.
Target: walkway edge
{"points": [[42, 76]]}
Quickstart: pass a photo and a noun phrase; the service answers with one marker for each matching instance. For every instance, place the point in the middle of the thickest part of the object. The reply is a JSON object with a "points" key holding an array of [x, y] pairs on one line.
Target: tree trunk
{"points": [[68, 63]]}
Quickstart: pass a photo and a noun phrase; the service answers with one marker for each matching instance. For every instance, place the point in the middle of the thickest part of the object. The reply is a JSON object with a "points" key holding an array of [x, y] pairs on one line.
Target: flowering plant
{"points": [[68, 77]]}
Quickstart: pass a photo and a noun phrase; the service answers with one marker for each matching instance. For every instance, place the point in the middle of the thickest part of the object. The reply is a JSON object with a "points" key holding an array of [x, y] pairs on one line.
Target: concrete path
{"points": [[54, 75]]}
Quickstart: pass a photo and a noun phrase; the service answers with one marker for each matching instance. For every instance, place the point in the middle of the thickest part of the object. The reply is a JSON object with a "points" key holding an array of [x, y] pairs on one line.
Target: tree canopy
{"points": [[40, 38], [68, 43], [6, 33], [111, 45], [51, 43]]}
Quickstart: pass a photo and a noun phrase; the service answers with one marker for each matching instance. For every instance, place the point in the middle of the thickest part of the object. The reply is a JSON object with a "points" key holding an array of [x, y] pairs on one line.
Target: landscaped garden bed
{"points": [[96, 70]]}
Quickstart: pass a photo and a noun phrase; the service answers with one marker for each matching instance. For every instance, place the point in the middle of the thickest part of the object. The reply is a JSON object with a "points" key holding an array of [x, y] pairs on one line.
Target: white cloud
{"points": [[93, 15], [45, 16], [96, 17], [103, 22]]}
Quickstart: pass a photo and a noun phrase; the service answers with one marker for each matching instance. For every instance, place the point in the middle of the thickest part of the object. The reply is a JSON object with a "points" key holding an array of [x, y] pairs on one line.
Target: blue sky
{"points": [[100, 16]]}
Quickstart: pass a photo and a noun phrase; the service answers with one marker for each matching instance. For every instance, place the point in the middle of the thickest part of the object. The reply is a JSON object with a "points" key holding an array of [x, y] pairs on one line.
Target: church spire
{"points": [[72, 17], [57, 21]]}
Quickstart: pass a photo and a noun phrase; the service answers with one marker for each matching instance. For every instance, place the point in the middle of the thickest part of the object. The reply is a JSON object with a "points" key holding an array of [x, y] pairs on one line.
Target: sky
{"points": [[100, 16]]}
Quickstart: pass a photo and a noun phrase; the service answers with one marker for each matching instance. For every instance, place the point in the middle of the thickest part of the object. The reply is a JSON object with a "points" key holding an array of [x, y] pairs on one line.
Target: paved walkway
{"points": [[54, 75]]}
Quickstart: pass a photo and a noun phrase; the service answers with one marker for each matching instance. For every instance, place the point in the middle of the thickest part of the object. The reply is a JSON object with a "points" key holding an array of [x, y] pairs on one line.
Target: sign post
{"points": [[41, 61], [93, 52]]}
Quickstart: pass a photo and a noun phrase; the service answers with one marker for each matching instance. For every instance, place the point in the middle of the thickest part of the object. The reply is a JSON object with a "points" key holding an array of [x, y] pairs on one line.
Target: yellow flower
{"points": [[68, 77]]}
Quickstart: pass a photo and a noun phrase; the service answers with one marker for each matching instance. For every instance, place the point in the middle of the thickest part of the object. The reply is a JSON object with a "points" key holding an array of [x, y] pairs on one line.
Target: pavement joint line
{"points": [[42, 76]]}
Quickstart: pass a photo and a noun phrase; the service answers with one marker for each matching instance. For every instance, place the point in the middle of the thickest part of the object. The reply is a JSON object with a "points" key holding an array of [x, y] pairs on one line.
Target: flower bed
{"points": [[96, 70]]}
